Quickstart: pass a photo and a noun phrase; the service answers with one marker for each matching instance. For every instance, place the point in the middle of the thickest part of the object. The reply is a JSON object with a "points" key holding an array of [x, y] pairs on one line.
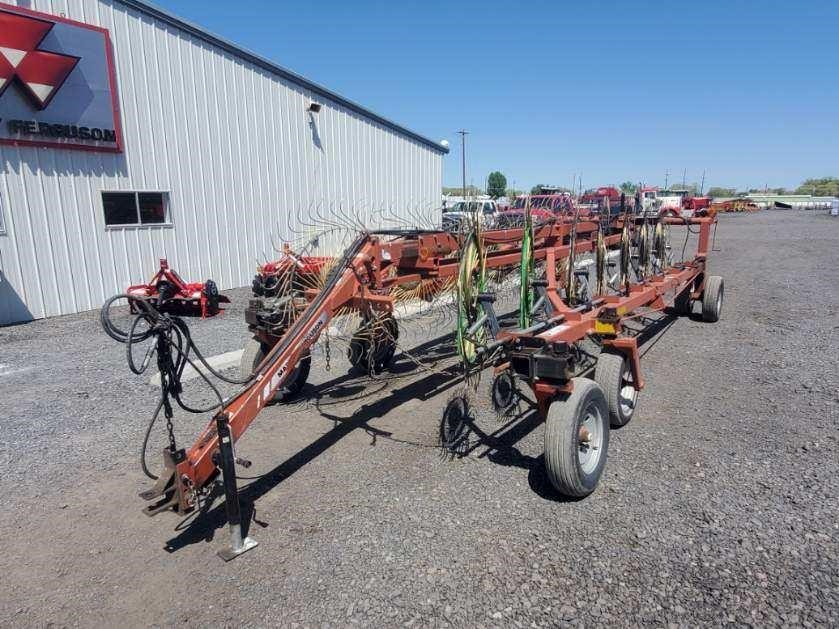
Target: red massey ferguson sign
{"points": [[57, 83]]}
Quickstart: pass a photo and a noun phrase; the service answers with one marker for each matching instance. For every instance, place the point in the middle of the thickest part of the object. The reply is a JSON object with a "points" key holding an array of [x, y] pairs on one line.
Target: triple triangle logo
{"points": [[38, 73]]}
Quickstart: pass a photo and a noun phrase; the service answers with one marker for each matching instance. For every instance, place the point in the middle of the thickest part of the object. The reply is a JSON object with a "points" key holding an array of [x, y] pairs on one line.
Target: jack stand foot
{"points": [[238, 545], [231, 494]]}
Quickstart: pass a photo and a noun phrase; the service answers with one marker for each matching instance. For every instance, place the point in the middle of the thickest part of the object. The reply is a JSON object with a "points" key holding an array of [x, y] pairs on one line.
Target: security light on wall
{"points": [[313, 107]]}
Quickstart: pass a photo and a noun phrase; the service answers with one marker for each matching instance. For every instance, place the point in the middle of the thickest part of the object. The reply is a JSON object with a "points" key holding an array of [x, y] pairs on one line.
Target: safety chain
{"points": [[165, 369], [327, 351], [170, 428]]}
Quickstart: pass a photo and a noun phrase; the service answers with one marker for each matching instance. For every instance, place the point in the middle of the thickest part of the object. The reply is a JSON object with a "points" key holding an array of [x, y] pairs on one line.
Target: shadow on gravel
{"points": [[655, 329], [500, 444], [202, 527]]}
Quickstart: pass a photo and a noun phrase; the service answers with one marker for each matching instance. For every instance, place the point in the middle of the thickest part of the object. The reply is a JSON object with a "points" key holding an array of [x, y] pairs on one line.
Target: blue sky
{"points": [[615, 91]]}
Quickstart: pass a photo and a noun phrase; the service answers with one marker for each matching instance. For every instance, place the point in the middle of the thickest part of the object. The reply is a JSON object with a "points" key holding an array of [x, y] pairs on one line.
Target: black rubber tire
{"points": [[257, 287], [562, 430], [252, 356], [373, 352], [684, 304], [211, 293], [712, 299], [612, 373]]}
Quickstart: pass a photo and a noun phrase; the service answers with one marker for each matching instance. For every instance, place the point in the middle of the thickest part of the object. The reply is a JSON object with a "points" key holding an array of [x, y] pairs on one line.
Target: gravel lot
{"points": [[719, 502]]}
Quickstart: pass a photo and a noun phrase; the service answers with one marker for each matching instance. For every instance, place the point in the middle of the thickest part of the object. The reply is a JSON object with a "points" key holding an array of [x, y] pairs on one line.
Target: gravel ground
{"points": [[718, 505]]}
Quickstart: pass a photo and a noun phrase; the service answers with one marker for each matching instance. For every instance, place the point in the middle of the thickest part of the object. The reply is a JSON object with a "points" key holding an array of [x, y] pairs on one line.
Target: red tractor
{"points": [[695, 204], [169, 293]]}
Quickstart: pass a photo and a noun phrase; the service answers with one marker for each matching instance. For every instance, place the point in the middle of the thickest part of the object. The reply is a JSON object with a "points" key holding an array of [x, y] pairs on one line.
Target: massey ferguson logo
{"points": [[39, 73], [57, 82]]}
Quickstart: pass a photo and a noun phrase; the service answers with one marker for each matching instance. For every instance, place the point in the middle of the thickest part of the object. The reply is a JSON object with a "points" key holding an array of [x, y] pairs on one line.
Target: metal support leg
{"points": [[238, 545], [543, 301], [486, 300]]}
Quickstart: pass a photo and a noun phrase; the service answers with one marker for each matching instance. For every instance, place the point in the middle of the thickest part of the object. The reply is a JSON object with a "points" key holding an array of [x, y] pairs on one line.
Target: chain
{"points": [[170, 428], [327, 350], [164, 364]]}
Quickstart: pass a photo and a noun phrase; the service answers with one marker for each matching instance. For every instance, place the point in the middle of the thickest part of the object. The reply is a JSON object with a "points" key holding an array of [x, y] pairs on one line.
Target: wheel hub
{"points": [[628, 397], [590, 439]]}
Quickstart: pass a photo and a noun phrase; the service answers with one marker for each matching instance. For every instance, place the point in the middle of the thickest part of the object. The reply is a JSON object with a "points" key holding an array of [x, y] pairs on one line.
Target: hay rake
{"points": [[380, 267]]}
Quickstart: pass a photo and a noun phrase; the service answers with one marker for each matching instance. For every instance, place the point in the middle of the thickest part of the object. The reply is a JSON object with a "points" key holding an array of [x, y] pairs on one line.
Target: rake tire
{"points": [[372, 350], [712, 299], [253, 354], [562, 438], [611, 374]]}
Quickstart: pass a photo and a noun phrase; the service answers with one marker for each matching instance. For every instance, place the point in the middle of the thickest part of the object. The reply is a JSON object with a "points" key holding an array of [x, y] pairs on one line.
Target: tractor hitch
{"points": [[165, 489]]}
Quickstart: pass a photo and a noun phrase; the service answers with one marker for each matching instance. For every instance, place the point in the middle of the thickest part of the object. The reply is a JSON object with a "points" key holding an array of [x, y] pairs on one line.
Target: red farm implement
{"points": [[167, 292], [289, 273], [575, 347]]}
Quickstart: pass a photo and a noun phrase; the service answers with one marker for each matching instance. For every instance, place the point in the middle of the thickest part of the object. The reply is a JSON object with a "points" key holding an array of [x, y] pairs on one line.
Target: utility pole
{"points": [[463, 133], [702, 185], [666, 178]]}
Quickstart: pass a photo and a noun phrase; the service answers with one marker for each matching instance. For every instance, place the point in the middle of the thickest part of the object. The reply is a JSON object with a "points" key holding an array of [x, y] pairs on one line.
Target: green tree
{"points": [[822, 187], [512, 193], [628, 187], [717, 192], [456, 191], [768, 191], [691, 188], [496, 184], [547, 189]]}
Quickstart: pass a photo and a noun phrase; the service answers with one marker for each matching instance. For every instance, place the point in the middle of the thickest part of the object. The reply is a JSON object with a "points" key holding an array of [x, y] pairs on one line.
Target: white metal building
{"points": [[128, 135]]}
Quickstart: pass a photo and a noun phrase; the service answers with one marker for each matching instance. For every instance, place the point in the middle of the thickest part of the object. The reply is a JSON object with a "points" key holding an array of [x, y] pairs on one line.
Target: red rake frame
{"points": [[604, 318], [361, 280]]}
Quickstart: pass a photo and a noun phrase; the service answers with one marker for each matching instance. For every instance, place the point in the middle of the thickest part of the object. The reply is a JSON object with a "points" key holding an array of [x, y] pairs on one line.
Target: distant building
{"points": [[792, 201]]}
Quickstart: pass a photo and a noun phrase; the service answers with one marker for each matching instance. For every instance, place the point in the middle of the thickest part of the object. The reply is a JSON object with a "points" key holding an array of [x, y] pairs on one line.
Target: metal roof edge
{"points": [[196, 31]]}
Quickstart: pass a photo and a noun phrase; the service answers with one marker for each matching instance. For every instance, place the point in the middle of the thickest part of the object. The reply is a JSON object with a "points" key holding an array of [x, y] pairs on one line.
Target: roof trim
{"points": [[259, 61]]}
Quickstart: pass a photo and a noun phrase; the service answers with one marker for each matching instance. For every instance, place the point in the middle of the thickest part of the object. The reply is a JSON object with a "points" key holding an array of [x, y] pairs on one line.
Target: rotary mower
{"points": [[584, 283], [168, 293]]}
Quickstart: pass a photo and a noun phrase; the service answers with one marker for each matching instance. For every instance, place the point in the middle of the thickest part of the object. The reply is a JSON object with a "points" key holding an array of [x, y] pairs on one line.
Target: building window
{"points": [[134, 208]]}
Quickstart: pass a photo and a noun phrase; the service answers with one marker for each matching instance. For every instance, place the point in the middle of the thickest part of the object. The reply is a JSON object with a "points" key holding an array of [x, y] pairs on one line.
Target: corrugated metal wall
{"points": [[230, 142]]}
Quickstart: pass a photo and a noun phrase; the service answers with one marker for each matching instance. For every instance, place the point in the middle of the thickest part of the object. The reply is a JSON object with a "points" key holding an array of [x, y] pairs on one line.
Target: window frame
{"points": [[167, 209]]}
